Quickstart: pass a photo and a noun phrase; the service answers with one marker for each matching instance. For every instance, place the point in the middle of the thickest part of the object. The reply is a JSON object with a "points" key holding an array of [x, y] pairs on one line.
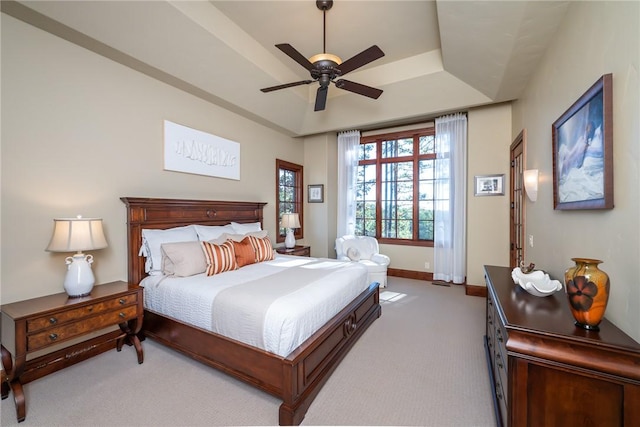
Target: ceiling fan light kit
{"points": [[326, 67]]}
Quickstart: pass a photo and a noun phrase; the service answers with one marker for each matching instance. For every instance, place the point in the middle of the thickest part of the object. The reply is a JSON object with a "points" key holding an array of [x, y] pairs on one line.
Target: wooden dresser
{"points": [[547, 372]]}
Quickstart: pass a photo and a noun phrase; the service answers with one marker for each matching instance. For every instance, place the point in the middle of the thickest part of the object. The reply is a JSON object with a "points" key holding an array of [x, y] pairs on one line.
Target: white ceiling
{"points": [[440, 56]]}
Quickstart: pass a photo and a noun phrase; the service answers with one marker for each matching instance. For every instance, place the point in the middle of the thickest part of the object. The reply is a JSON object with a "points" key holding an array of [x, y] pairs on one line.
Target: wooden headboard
{"points": [[168, 213]]}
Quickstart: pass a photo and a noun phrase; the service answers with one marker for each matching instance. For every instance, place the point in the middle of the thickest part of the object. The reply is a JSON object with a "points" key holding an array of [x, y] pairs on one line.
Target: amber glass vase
{"points": [[587, 288]]}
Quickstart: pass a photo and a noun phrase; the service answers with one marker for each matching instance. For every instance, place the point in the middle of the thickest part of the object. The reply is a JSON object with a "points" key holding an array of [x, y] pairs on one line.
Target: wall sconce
{"points": [[530, 177], [290, 221], [77, 235]]}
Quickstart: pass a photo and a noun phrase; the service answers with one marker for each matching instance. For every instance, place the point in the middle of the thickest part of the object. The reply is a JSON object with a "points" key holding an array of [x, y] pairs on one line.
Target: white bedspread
{"points": [[290, 318]]}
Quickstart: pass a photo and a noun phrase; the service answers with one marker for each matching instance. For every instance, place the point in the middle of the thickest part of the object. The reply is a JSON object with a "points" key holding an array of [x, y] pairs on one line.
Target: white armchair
{"points": [[365, 250]]}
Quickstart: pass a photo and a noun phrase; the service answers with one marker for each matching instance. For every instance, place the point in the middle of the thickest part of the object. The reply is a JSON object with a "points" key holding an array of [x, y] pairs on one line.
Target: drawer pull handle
{"points": [[122, 301], [53, 337], [53, 320], [90, 308], [122, 315]]}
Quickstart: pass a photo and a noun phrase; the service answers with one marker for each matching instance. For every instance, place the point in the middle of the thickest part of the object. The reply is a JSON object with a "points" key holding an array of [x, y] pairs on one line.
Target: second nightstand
{"points": [[298, 250]]}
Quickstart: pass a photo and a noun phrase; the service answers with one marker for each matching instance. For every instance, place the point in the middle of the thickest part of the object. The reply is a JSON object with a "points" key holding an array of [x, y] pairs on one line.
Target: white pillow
{"points": [[246, 228], [211, 232], [152, 240]]}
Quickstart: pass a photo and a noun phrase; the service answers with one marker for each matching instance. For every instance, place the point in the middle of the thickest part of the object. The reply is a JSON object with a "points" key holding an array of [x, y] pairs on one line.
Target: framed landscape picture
{"points": [[583, 151]]}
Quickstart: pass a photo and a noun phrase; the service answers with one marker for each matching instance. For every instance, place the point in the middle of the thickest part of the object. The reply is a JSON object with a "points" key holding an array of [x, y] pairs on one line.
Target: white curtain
{"points": [[450, 194], [348, 145]]}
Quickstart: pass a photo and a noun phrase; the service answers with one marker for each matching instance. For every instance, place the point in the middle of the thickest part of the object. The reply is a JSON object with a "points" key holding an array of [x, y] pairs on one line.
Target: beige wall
{"points": [[319, 232], [487, 216], [80, 131], [600, 38]]}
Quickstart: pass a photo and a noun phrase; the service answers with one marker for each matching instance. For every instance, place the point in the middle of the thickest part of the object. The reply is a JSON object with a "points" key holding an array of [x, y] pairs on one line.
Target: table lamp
{"points": [[77, 235], [290, 221]]}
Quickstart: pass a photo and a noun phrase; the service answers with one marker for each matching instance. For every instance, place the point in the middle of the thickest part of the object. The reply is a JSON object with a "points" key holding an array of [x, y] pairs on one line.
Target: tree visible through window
{"points": [[288, 195], [395, 187]]}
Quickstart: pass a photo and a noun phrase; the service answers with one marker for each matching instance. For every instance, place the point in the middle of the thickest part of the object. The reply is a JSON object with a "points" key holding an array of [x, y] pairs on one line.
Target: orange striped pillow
{"points": [[220, 258], [262, 247], [245, 254]]}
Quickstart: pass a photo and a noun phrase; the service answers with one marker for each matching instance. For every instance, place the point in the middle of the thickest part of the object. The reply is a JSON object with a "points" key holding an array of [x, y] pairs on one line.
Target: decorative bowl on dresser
{"points": [[545, 371], [47, 329]]}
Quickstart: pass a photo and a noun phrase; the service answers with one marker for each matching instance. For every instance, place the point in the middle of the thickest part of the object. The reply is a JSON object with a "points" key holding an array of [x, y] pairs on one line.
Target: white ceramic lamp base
{"points": [[80, 279], [290, 240]]}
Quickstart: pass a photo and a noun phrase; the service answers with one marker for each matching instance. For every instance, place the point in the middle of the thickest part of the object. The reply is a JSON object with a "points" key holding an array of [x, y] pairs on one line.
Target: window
{"points": [[288, 195], [394, 193]]}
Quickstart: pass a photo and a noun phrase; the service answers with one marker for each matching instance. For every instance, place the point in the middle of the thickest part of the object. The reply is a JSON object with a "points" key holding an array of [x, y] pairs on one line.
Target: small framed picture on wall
{"points": [[316, 193], [489, 185]]}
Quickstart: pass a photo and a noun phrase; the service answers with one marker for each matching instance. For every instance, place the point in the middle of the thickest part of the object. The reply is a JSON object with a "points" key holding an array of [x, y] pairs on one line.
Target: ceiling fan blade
{"points": [[284, 86], [321, 98], [363, 58], [295, 55], [358, 88]]}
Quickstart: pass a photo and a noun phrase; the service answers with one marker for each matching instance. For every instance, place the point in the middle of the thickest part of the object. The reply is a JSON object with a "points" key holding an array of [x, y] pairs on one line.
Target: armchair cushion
{"points": [[353, 254], [364, 249]]}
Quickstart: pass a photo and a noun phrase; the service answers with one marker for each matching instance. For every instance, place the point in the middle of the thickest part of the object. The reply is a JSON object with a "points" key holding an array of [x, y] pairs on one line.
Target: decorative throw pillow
{"points": [[353, 254], [183, 259], [263, 248], [220, 258], [152, 239], [245, 254]]}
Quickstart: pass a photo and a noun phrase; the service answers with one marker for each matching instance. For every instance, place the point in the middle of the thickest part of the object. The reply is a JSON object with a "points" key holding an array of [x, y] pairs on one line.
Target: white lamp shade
{"points": [[290, 220], [530, 178], [77, 234]]}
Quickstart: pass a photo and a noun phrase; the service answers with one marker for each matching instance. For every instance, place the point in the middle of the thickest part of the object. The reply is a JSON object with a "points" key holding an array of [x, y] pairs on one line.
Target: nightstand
{"points": [[41, 327], [296, 250]]}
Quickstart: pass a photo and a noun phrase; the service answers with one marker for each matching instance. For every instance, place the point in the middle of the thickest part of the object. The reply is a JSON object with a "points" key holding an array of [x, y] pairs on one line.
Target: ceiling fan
{"points": [[326, 68]]}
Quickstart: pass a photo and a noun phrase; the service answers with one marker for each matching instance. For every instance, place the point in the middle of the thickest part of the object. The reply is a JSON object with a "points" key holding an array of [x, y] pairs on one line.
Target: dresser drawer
{"points": [[500, 368], [60, 318], [502, 402], [72, 329]]}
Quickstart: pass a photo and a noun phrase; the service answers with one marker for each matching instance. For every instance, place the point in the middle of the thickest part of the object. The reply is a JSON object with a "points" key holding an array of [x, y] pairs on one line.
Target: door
{"points": [[516, 223]]}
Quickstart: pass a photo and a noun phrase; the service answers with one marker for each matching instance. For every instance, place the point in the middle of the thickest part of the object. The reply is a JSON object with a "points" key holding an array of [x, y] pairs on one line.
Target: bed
{"points": [[295, 378]]}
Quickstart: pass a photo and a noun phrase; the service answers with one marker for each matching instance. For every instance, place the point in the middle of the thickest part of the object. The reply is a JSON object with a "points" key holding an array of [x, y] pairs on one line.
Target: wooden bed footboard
{"points": [[297, 378], [309, 367]]}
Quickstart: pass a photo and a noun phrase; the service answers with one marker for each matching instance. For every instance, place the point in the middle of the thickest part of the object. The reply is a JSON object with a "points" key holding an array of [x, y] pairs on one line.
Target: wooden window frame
{"points": [[298, 171], [415, 158]]}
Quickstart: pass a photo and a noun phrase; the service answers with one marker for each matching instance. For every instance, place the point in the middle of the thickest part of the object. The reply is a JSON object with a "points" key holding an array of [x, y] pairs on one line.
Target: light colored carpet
{"points": [[421, 363]]}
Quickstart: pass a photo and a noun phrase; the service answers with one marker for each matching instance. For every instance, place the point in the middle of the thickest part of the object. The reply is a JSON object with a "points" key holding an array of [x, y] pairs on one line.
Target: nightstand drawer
{"points": [[40, 323], [70, 330], [297, 250]]}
